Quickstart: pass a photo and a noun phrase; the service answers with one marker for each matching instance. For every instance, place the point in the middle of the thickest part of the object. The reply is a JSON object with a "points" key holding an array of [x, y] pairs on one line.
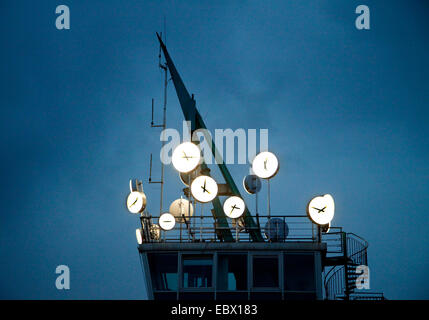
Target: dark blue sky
{"points": [[346, 112]]}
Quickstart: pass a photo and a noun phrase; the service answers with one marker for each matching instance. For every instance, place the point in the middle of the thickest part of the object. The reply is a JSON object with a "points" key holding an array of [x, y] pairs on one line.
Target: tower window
{"points": [[197, 271], [266, 272]]}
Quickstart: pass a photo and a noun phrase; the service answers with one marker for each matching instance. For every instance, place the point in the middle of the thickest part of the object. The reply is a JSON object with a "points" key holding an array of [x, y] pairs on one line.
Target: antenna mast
{"points": [[163, 126]]}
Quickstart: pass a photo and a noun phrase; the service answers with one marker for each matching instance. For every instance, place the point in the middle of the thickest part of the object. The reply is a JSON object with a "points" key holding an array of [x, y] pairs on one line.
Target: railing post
{"points": [[345, 257]]}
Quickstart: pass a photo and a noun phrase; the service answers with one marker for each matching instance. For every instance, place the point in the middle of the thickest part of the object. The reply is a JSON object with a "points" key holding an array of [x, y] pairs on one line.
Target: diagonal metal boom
{"points": [[191, 114]]}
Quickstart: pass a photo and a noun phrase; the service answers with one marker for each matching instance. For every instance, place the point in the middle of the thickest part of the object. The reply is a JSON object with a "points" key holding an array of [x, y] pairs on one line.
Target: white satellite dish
{"points": [[136, 202], [252, 184], [155, 232], [167, 221], [136, 185], [186, 157], [321, 209], [276, 230], [139, 236], [234, 207], [204, 189], [181, 207], [265, 165], [189, 177]]}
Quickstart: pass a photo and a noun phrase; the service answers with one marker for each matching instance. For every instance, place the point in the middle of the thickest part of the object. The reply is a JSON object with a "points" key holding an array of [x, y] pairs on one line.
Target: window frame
{"points": [[262, 254], [315, 270], [238, 253], [181, 288], [146, 261]]}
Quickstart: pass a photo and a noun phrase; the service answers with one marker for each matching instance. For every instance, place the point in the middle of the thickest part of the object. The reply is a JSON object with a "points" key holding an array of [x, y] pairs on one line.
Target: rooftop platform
{"points": [[233, 246]]}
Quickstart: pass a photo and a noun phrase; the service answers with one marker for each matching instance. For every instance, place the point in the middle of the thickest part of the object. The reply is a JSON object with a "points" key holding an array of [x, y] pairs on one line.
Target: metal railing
{"points": [[368, 296], [284, 228], [334, 283], [333, 241], [357, 248], [354, 252]]}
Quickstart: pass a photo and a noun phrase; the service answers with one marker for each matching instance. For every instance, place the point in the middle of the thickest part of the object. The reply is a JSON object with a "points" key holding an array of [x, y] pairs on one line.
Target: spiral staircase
{"points": [[346, 251]]}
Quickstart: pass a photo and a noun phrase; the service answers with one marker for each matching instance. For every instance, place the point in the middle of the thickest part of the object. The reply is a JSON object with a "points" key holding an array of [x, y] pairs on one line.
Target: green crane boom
{"points": [[193, 116]]}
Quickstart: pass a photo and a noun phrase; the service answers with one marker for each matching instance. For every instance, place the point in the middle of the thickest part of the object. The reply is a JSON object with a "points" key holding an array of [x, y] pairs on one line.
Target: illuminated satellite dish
{"points": [[276, 230], [155, 232], [252, 184], [234, 207], [139, 236], [136, 185], [265, 165], [190, 176], [186, 157], [325, 228], [204, 189], [167, 221], [136, 202], [321, 209], [181, 207]]}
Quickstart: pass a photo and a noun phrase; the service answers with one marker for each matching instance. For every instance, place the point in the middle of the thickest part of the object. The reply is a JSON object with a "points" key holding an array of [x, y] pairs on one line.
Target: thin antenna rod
{"points": [[159, 54], [152, 114], [164, 126], [268, 202], [150, 170]]}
